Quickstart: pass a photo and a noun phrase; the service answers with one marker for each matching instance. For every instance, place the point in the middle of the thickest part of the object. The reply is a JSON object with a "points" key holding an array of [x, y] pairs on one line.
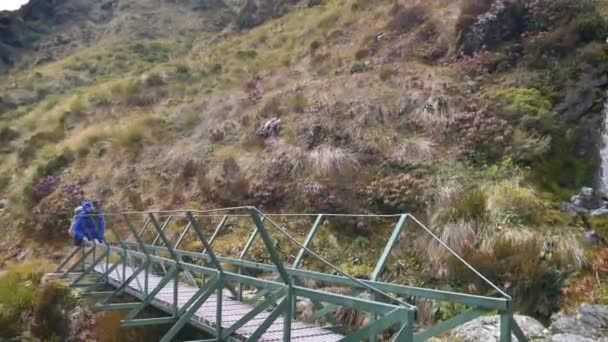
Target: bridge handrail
{"points": [[485, 302]]}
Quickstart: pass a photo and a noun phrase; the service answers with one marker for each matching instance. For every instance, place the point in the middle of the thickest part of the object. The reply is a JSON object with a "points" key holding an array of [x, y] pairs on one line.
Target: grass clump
{"points": [[131, 93], [360, 67], [406, 18], [332, 161], [472, 205], [299, 103], [154, 80], [387, 73], [511, 203], [27, 303], [517, 260]]}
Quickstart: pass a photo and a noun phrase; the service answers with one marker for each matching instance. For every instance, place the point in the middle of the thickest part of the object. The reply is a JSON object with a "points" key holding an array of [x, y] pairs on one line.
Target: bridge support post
{"points": [[381, 264], [506, 319], [289, 312]]}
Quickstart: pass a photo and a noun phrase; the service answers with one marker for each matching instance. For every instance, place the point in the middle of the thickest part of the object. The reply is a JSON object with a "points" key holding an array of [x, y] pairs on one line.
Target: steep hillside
{"points": [[43, 31], [481, 117]]}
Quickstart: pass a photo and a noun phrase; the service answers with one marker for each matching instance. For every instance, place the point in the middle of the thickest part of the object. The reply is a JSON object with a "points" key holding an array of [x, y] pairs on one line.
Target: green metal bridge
{"points": [[236, 299]]}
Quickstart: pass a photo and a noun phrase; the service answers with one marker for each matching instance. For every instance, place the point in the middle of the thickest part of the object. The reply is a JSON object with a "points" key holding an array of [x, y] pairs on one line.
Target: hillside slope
{"points": [[479, 117]]}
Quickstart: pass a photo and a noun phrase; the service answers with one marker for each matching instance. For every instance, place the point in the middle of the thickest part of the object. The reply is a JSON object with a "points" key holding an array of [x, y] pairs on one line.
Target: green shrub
{"points": [[314, 46], [533, 281], [182, 71], [246, 54], [527, 148], [397, 194], [387, 73], [152, 52], [563, 170], [448, 310], [18, 294], [132, 93], [359, 68], [472, 205], [515, 204], [526, 106], [50, 321], [100, 98], [299, 103], [154, 80], [405, 19]]}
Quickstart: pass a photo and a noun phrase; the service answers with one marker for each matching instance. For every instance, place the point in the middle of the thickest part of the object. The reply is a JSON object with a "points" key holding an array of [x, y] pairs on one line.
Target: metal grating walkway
{"points": [[232, 310]]}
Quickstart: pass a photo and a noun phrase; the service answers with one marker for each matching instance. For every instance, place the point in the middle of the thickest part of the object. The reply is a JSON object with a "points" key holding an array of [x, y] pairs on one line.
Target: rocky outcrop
{"points": [[587, 323], [586, 201], [486, 329], [503, 21], [269, 128]]}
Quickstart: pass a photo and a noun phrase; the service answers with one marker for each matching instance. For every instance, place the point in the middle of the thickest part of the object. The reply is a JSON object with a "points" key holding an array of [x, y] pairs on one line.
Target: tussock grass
{"points": [[412, 150], [332, 161], [458, 235]]}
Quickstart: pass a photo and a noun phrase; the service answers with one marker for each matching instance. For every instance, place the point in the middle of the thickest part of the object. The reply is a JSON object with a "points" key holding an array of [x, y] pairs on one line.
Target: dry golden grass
{"points": [[332, 161]]}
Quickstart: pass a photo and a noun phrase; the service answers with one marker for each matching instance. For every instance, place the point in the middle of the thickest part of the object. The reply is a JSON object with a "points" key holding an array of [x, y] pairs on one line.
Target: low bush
{"points": [[132, 93], [50, 218], [525, 106], [154, 80], [518, 266], [24, 301], [387, 73], [529, 147], [558, 27], [562, 169], [182, 72], [299, 103], [314, 46], [360, 67], [413, 150], [471, 205], [49, 319], [513, 204], [406, 18], [397, 194]]}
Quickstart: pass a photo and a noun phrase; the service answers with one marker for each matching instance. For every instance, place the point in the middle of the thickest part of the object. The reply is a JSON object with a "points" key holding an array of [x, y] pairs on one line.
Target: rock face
{"points": [[588, 201], [269, 128], [486, 329], [503, 21], [588, 323]]}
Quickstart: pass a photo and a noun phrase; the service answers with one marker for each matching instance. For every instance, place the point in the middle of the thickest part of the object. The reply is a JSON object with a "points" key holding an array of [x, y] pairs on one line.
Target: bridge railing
{"points": [[385, 303]]}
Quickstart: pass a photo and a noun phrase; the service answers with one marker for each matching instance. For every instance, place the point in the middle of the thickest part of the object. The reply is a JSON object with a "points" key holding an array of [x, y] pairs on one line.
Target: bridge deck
{"points": [[232, 310]]}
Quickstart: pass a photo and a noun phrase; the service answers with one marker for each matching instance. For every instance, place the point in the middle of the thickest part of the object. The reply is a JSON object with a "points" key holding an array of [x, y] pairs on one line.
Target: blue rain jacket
{"points": [[88, 224]]}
